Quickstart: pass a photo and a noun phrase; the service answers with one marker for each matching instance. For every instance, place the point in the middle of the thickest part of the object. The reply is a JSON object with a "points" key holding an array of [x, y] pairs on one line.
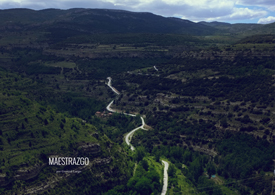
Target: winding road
{"points": [[109, 107], [129, 136], [165, 177], [111, 110], [109, 84]]}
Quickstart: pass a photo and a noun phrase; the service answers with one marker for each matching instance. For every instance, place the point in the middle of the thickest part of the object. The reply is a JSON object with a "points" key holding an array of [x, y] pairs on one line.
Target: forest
{"points": [[206, 96]]}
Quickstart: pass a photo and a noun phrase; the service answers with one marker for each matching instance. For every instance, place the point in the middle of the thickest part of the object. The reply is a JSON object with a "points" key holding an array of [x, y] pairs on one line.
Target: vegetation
{"points": [[205, 90], [31, 133], [146, 178]]}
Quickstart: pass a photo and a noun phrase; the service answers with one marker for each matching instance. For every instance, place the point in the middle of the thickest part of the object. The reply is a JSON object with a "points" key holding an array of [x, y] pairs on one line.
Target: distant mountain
{"points": [[75, 21], [258, 39], [215, 23], [267, 29], [28, 16], [233, 28]]}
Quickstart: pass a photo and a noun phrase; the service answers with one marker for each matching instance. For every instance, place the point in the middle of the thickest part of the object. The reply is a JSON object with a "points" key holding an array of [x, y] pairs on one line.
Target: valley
{"points": [[158, 105]]}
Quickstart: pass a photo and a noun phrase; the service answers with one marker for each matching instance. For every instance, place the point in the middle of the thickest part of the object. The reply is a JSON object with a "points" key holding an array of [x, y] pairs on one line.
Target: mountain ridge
{"points": [[101, 21]]}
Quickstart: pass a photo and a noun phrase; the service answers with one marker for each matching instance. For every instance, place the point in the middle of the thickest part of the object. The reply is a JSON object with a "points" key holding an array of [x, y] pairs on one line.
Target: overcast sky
{"points": [[232, 11]]}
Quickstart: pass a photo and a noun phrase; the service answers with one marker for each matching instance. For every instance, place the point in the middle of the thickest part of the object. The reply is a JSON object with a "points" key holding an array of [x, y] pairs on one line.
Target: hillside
{"points": [[205, 92], [258, 39], [89, 21], [267, 29], [234, 28], [221, 106], [31, 133]]}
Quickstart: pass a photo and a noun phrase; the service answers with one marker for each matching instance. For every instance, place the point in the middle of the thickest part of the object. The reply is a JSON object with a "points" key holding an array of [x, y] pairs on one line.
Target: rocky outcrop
{"points": [[29, 172], [229, 55], [102, 161], [95, 135], [90, 148], [205, 151], [4, 180], [22, 174]]}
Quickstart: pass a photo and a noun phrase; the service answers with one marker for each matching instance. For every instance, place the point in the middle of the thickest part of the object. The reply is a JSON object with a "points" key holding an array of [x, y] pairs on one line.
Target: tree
{"points": [[157, 156], [46, 122], [139, 154], [246, 119], [224, 123], [207, 186], [61, 125], [143, 186], [145, 165], [211, 169], [131, 183], [153, 175], [172, 170], [195, 170], [216, 159]]}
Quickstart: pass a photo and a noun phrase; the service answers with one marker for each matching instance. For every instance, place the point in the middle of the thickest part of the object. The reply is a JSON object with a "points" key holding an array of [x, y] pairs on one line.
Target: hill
{"points": [[30, 134], [208, 100], [97, 21], [258, 39], [267, 29], [234, 28]]}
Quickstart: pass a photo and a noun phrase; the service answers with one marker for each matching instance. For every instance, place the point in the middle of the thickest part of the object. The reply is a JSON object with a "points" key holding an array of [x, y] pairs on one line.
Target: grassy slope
{"points": [[181, 184], [29, 130]]}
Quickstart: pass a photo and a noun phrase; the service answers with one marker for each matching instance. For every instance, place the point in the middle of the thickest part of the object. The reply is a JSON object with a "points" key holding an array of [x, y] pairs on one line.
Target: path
{"points": [[165, 178], [111, 110], [129, 136], [109, 84], [109, 107]]}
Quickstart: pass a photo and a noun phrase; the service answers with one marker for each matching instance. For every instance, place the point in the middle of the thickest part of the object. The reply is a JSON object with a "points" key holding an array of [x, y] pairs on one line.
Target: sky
{"points": [[231, 11]]}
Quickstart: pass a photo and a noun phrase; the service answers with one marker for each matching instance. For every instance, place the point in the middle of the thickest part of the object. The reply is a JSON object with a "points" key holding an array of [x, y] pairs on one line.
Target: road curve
{"points": [[165, 177], [109, 84], [109, 107], [111, 110], [129, 136]]}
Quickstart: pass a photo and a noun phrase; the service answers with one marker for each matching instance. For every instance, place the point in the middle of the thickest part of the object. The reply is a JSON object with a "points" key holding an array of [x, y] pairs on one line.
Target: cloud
{"points": [[246, 13], [8, 5], [207, 10], [234, 14], [171, 7], [196, 10], [61, 4], [268, 4], [267, 20], [188, 8]]}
